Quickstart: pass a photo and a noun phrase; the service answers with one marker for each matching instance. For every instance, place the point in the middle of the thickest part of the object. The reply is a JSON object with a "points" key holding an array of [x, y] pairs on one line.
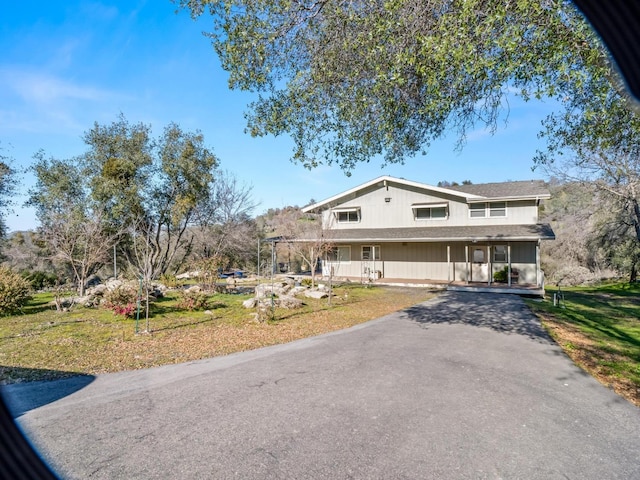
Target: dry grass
{"points": [[44, 344]]}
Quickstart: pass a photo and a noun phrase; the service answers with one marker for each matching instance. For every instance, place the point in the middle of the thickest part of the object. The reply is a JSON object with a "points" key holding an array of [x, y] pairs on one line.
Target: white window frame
{"points": [[376, 248], [474, 208], [496, 211], [353, 214], [336, 257], [496, 252], [488, 210], [430, 207]]}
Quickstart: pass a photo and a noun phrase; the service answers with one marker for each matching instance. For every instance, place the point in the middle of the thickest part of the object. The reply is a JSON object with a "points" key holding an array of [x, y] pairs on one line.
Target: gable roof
{"points": [[383, 181], [527, 189]]}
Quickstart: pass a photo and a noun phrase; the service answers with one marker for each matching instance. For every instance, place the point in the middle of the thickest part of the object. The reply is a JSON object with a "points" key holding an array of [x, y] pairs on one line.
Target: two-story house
{"points": [[399, 229]]}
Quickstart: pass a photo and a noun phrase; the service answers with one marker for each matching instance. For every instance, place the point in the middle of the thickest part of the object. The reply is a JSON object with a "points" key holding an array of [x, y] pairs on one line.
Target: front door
{"points": [[371, 261], [479, 264]]}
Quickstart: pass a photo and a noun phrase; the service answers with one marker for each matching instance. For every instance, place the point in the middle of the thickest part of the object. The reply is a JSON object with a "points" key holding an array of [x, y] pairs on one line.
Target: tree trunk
{"points": [[633, 276]]}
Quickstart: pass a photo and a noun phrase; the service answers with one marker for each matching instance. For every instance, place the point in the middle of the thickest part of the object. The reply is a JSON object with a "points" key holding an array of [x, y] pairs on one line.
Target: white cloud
{"points": [[42, 102], [46, 88]]}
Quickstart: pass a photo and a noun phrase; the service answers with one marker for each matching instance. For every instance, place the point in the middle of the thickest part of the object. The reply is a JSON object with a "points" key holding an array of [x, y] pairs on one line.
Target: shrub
{"points": [[14, 291], [501, 275], [40, 280], [193, 300], [121, 300], [168, 280]]}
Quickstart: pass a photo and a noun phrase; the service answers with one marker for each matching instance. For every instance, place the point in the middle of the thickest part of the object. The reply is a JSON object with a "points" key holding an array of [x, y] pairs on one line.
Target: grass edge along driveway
{"points": [[598, 327]]}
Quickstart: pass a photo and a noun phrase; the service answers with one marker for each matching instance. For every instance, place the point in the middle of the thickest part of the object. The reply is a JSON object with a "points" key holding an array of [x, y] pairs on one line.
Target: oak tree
{"points": [[351, 80]]}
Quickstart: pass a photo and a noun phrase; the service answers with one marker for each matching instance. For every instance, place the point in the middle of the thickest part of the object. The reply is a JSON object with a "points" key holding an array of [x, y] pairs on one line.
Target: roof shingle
{"points": [[505, 189]]}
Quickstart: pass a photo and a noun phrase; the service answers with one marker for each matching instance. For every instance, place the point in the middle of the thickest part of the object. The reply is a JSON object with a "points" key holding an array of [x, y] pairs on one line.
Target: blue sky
{"points": [[66, 65]]}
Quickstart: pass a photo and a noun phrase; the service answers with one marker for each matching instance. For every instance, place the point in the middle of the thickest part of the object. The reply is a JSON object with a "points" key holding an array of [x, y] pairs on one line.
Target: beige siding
{"points": [[377, 212], [428, 261]]}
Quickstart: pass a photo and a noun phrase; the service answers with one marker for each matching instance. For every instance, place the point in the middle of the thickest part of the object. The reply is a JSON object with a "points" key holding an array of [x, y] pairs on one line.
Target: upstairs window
{"points": [[430, 211], [478, 210], [347, 215], [498, 209], [491, 209]]}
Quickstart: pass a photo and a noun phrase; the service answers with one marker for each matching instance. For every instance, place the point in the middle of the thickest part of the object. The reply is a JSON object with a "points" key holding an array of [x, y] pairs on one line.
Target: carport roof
{"points": [[441, 234]]}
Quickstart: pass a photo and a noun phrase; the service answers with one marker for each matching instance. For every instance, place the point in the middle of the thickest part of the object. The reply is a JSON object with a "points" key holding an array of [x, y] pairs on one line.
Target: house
{"points": [[392, 228]]}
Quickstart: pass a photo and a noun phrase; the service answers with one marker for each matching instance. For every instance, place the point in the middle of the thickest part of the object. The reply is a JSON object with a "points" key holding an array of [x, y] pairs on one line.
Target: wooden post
{"points": [[509, 264], [466, 263], [449, 263], [489, 266], [538, 264]]}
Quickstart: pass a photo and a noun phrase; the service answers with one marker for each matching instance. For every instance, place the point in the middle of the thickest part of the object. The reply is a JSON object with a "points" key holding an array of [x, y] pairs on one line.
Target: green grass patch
{"points": [[43, 343], [599, 327]]}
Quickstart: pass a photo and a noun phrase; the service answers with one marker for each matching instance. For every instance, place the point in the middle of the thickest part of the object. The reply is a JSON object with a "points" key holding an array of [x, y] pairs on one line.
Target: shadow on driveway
{"points": [[501, 313], [22, 397]]}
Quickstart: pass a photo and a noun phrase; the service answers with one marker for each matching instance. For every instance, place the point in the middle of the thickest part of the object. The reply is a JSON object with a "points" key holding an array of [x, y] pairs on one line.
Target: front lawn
{"points": [[599, 328], [45, 344]]}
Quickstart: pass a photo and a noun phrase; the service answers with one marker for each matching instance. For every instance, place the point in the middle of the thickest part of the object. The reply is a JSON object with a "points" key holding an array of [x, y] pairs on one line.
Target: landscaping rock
{"points": [[113, 283], [297, 290], [98, 290], [266, 289], [288, 302], [316, 294], [251, 303], [187, 275]]}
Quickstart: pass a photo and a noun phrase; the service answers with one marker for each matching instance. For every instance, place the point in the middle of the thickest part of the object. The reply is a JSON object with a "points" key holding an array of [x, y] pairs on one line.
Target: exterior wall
{"points": [[428, 261], [376, 212]]}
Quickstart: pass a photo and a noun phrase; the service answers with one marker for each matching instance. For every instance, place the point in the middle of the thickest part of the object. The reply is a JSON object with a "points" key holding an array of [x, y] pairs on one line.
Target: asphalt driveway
{"points": [[465, 386]]}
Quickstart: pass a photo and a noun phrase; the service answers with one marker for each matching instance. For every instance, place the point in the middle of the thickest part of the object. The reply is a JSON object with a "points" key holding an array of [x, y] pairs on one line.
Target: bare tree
{"points": [[307, 237], [224, 227], [81, 241]]}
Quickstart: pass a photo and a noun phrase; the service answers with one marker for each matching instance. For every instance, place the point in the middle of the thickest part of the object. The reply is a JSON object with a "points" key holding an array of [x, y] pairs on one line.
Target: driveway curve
{"points": [[465, 386]]}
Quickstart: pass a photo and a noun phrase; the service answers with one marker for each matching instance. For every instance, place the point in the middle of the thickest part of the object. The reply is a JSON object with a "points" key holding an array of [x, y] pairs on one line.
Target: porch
{"points": [[457, 286]]}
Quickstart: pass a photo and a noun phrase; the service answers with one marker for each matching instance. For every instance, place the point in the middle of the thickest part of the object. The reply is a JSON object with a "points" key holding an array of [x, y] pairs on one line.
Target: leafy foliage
{"points": [[169, 280], [501, 275], [14, 291], [127, 189], [191, 300], [352, 80], [8, 183], [121, 300], [596, 142], [40, 280]]}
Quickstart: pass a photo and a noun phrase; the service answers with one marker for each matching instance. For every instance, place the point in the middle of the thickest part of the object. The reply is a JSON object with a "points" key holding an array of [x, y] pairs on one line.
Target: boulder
{"points": [[316, 294], [266, 289], [297, 290], [250, 303], [97, 290], [187, 275], [113, 283], [288, 302]]}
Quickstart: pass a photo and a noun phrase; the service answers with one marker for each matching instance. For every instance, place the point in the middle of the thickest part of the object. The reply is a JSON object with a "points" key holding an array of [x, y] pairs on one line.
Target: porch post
{"points": [[538, 264], [466, 263], [449, 263], [489, 266], [509, 264]]}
